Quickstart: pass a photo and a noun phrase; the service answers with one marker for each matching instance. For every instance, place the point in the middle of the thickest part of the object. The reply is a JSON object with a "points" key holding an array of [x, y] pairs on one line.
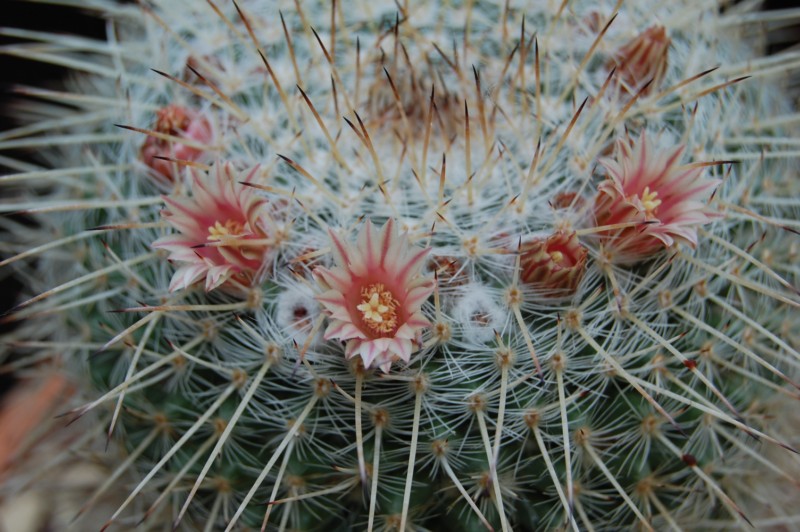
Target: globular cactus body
{"points": [[407, 266]]}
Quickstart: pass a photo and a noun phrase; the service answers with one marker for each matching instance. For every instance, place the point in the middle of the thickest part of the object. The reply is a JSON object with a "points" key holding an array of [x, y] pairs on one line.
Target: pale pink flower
{"points": [[647, 185], [374, 295], [179, 122], [554, 264], [642, 59], [222, 230]]}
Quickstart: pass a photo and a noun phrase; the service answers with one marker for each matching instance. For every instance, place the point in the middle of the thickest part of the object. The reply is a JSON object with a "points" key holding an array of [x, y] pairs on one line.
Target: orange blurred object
{"points": [[24, 411]]}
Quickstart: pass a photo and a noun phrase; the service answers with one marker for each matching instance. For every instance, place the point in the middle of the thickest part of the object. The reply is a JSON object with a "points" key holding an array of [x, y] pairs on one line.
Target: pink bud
{"points": [[642, 60], [179, 122], [554, 264]]}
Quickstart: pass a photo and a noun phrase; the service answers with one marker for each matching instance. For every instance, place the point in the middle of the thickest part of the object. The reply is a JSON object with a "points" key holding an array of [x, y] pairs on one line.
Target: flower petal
{"points": [[386, 327]]}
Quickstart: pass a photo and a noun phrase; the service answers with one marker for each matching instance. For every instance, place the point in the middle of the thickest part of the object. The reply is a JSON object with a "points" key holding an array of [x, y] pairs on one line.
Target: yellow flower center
{"points": [[219, 231], [378, 308], [650, 201], [557, 256]]}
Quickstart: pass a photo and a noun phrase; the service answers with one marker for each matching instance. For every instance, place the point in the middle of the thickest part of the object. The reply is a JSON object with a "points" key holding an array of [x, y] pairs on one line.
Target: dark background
{"points": [[59, 19], [17, 71]]}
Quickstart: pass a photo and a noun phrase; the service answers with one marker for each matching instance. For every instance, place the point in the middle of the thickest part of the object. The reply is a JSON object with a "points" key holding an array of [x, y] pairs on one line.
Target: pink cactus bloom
{"points": [[223, 230], [179, 122], [647, 185], [554, 264], [642, 59], [374, 295]]}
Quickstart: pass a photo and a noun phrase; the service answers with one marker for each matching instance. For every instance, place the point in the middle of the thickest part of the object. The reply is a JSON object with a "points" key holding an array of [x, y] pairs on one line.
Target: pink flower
{"points": [[642, 59], [223, 230], [648, 186], [555, 264], [374, 295], [179, 122]]}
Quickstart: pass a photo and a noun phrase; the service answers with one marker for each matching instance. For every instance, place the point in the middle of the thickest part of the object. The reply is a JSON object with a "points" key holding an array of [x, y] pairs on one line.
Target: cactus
{"points": [[408, 266]]}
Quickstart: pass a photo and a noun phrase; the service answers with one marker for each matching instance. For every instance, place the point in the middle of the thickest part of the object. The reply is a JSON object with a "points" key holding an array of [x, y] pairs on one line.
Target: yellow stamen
{"points": [[557, 256], [378, 308], [650, 202], [219, 231]]}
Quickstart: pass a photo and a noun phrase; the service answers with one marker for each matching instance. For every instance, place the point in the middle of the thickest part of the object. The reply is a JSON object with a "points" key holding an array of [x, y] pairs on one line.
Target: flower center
{"points": [[557, 256], [231, 228], [378, 308], [650, 202]]}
